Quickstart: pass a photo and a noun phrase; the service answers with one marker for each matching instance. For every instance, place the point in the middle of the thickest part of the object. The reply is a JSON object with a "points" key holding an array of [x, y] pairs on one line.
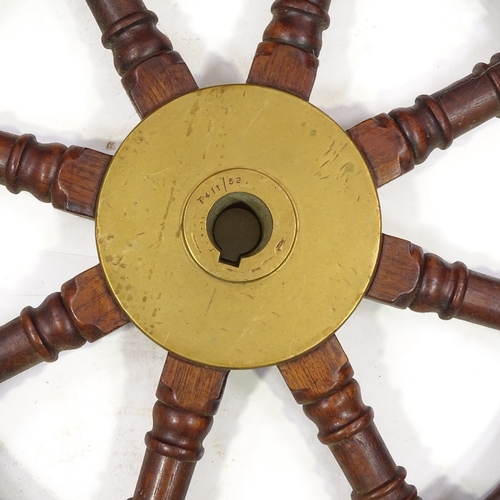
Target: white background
{"points": [[74, 429]]}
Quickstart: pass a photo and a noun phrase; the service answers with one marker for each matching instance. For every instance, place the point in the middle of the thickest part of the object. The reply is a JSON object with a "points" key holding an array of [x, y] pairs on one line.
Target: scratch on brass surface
{"points": [[345, 169], [195, 241], [340, 151], [211, 300], [252, 121], [194, 110], [162, 230], [332, 145], [162, 225], [154, 174]]}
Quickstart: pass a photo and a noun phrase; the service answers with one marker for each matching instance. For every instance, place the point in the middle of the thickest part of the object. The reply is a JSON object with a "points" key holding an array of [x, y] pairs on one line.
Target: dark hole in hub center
{"points": [[237, 232]]}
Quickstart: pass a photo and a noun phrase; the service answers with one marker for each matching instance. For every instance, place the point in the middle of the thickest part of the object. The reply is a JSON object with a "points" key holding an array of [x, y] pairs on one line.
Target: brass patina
{"points": [[301, 176]]}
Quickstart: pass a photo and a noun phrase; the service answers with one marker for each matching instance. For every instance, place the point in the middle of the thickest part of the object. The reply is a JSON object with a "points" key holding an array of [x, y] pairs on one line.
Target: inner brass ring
{"points": [[249, 202], [223, 189]]}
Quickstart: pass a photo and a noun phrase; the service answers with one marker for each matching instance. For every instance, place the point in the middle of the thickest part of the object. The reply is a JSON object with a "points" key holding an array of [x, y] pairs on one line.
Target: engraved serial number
{"points": [[218, 188]]}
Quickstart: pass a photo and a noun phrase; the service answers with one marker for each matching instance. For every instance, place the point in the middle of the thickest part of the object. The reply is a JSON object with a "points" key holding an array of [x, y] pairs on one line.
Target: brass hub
{"points": [[283, 169]]}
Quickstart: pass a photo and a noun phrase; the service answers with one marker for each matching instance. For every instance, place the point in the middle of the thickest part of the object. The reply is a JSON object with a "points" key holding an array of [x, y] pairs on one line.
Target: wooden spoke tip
{"points": [[84, 311]]}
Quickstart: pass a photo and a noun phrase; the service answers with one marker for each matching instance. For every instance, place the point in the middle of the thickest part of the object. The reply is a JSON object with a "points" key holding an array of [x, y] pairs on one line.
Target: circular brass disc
{"points": [[320, 195]]}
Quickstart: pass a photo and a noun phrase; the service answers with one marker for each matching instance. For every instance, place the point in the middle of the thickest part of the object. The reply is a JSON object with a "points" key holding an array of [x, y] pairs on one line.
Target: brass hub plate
{"points": [[319, 253]]}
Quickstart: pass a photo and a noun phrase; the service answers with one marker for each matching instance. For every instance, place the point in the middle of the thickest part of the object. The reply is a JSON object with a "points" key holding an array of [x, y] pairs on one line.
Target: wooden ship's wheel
{"points": [[200, 166]]}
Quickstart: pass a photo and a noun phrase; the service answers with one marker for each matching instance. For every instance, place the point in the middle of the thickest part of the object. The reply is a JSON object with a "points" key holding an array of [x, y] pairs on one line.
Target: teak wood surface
{"points": [[456, 361]]}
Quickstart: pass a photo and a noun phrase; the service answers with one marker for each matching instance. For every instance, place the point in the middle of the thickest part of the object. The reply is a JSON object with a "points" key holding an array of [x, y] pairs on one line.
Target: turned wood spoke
{"points": [[287, 57], [188, 398], [68, 177], [408, 277], [322, 382], [188, 394], [84, 311], [152, 72], [494, 494], [394, 143]]}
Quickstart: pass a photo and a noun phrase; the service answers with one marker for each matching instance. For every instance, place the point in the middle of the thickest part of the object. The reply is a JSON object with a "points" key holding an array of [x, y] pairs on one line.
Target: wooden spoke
{"points": [[188, 398], [408, 277], [394, 143], [494, 494], [287, 58], [83, 311], [152, 73], [427, 411], [69, 177], [322, 381]]}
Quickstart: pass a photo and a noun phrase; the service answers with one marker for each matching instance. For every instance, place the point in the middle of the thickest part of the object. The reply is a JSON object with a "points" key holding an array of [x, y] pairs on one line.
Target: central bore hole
{"points": [[236, 233], [239, 225]]}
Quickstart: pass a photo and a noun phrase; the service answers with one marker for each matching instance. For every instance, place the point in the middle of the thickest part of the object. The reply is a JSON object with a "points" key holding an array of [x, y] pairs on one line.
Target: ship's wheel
{"points": [[238, 226]]}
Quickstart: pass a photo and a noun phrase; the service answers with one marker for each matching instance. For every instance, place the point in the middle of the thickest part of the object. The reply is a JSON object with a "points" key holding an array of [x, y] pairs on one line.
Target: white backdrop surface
{"points": [[74, 429]]}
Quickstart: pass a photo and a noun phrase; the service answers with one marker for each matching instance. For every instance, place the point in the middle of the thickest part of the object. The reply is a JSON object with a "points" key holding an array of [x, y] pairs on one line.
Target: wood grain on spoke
{"points": [[408, 277], [394, 143], [322, 381], [84, 311], [188, 398], [287, 58], [69, 177], [152, 72]]}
